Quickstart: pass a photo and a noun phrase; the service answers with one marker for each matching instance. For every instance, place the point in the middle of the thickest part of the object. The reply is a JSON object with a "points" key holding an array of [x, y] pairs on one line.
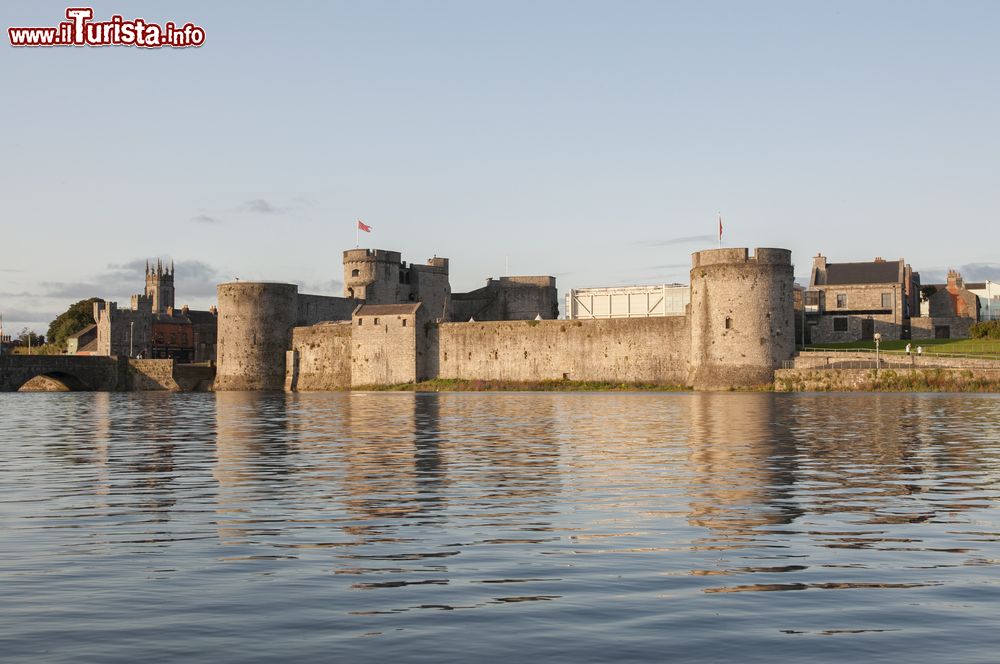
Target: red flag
{"points": [[720, 228], [362, 226]]}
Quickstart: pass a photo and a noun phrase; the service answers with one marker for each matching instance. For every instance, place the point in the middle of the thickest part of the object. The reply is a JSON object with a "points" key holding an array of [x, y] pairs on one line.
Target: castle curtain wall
{"points": [[647, 350]]}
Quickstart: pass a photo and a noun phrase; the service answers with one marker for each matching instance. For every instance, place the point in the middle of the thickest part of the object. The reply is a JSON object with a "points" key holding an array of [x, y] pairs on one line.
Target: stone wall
{"points": [[959, 327], [638, 350], [869, 380], [508, 298], [321, 358], [164, 375], [314, 309], [891, 359], [152, 376]]}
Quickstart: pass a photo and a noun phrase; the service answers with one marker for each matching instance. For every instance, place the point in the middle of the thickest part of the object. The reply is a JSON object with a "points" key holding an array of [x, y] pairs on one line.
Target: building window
{"points": [[840, 322], [841, 300], [360, 321], [887, 300], [404, 322], [729, 323], [376, 321], [355, 273]]}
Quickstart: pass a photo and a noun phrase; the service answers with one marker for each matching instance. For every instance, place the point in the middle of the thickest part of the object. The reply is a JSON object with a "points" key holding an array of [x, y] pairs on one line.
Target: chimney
{"points": [[817, 276], [170, 311], [184, 310], [879, 259]]}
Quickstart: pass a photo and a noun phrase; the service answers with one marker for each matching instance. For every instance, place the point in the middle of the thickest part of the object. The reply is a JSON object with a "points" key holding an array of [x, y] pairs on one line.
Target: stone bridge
{"points": [[75, 372]]}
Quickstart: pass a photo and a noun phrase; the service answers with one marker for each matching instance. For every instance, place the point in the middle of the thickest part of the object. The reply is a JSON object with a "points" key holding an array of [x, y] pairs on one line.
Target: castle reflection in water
{"points": [[737, 467]]}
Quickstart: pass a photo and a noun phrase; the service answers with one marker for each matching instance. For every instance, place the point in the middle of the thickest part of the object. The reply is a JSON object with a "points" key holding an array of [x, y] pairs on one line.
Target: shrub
{"points": [[986, 330]]}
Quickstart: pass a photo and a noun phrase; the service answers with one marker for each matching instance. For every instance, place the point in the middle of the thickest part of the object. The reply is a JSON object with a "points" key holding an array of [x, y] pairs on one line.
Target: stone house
{"points": [[854, 301], [951, 310], [387, 344], [83, 342]]}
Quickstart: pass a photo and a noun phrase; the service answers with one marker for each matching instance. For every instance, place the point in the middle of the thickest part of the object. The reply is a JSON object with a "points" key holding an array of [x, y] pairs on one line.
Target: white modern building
{"points": [[989, 298], [628, 301]]}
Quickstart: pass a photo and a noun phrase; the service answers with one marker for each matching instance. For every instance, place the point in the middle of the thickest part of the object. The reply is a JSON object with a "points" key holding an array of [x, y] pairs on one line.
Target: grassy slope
{"points": [[984, 347], [443, 385]]}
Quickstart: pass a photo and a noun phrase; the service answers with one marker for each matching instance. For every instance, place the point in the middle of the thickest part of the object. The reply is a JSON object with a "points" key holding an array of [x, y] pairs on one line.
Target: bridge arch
{"points": [[50, 381]]}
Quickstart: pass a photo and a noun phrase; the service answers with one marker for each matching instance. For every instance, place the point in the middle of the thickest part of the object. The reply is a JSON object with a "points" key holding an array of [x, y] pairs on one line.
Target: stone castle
{"points": [[400, 323]]}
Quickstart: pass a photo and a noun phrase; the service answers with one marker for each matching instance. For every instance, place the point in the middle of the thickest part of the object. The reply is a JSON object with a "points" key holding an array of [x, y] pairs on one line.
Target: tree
{"points": [[29, 337], [71, 321]]}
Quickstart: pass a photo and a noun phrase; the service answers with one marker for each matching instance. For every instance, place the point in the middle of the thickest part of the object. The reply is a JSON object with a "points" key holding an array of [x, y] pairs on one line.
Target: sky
{"points": [[594, 141]]}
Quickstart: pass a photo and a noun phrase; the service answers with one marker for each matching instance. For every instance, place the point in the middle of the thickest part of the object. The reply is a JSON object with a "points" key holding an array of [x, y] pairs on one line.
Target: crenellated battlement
{"points": [[737, 255]]}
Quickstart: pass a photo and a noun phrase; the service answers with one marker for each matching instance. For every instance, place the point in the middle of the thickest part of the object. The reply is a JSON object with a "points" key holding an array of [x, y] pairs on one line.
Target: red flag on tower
{"points": [[720, 230], [362, 226]]}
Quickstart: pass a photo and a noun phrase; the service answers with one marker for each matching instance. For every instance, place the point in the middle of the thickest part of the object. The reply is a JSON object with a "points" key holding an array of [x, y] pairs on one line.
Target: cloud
{"points": [[205, 219], [196, 279], [77, 290], [11, 316], [260, 206], [969, 272], [687, 239], [669, 266], [332, 287], [119, 281]]}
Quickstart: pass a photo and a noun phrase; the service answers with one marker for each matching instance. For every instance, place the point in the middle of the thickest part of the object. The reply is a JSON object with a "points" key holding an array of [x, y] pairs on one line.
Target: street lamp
{"points": [[131, 333], [878, 339]]}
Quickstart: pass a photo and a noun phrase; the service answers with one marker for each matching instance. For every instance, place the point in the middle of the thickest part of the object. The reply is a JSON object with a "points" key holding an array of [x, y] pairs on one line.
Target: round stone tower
{"points": [[372, 275], [255, 327], [742, 318]]}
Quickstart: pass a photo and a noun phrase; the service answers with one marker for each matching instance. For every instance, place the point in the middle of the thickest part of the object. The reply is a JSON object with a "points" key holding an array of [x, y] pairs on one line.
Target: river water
{"points": [[247, 527]]}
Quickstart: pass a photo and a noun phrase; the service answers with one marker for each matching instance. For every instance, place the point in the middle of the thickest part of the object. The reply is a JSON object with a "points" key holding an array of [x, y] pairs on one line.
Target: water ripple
{"points": [[625, 527]]}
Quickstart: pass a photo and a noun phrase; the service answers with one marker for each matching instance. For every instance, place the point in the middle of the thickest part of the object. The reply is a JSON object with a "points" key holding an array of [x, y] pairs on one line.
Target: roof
{"points": [[201, 317], [86, 330], [175, 319], [90, 347], [976, 285], [386, 309], [880, 272]]}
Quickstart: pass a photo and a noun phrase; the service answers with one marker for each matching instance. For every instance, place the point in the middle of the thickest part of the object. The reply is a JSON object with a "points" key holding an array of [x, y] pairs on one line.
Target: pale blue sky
{"points": [[589, 140]]}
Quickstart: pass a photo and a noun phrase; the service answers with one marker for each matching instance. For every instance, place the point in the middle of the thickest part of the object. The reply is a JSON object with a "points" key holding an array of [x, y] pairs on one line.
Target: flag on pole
{"points": [[362, 226], [720, 229]]}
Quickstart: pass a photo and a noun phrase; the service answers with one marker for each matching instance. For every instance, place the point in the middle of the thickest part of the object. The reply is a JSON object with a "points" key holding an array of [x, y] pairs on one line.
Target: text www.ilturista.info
{"points": [[79, 30]]}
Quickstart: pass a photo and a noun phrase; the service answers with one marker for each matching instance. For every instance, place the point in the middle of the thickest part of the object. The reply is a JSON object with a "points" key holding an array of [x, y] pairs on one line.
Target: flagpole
{"points": [[357, 235]]}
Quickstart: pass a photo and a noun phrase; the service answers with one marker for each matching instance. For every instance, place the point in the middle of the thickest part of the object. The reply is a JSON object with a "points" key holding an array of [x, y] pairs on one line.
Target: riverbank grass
{"points": [[454, 385]]}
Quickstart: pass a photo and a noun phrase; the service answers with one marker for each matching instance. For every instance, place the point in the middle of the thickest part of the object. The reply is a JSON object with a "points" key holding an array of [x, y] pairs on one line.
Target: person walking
{"points": [[907, 348]]}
